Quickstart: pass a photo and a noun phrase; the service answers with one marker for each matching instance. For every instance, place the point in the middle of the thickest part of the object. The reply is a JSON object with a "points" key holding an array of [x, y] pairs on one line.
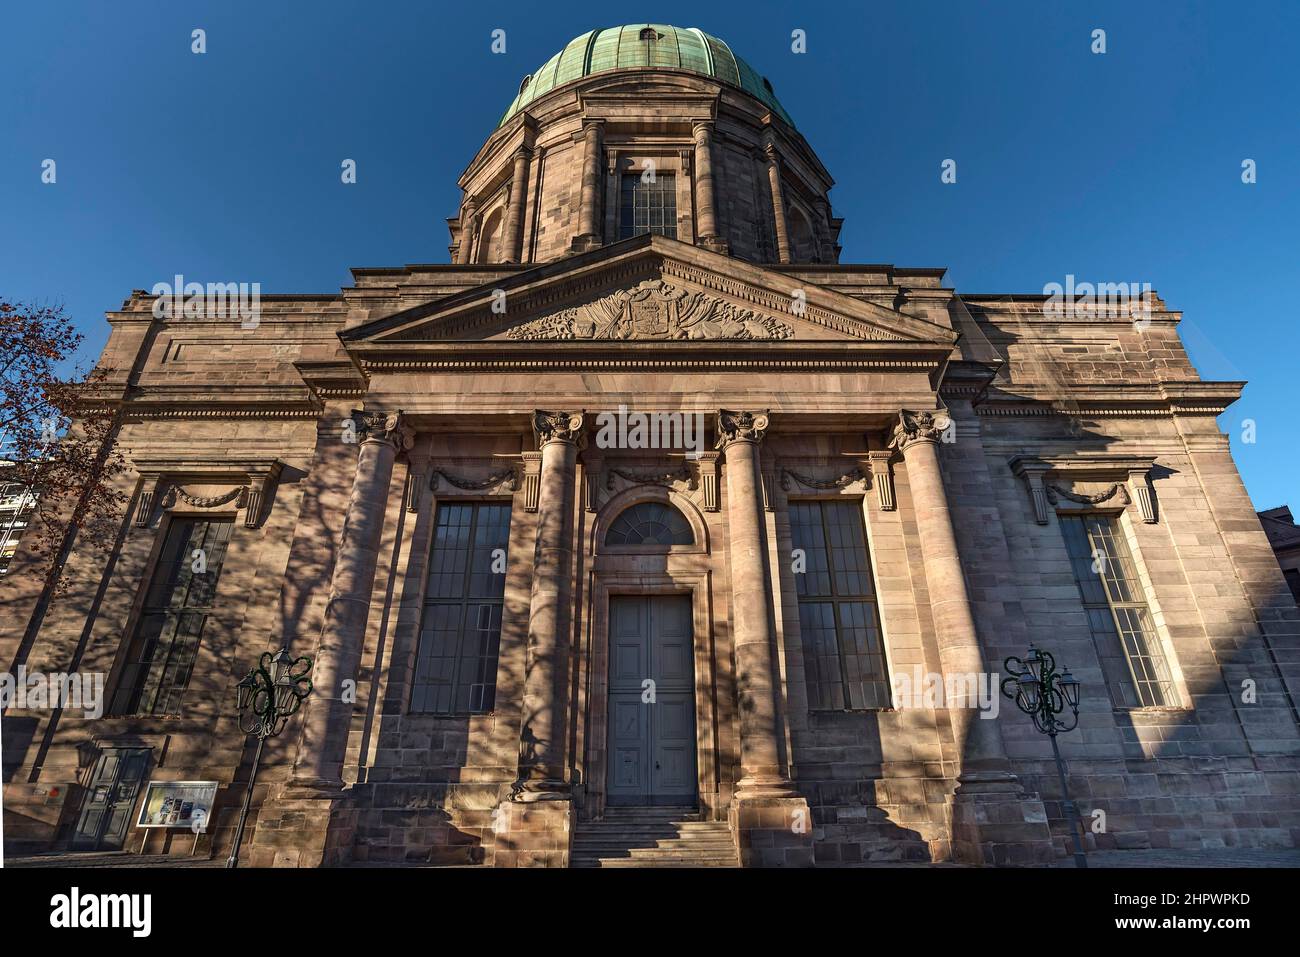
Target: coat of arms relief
{"points": [[655, 309]]}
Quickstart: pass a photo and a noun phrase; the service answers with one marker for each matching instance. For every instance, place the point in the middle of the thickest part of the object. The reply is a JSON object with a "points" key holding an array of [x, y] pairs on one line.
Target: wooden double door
{"points": [[110, 800], [651, 756]]}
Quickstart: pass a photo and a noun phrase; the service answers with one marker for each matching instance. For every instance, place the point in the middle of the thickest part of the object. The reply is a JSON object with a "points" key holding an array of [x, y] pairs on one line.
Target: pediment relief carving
{"points": [[655, 309], [647, 288]]}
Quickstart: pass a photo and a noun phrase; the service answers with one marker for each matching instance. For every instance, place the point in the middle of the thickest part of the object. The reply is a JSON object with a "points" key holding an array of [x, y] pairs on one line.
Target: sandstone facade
{"points": [[966, 432]]}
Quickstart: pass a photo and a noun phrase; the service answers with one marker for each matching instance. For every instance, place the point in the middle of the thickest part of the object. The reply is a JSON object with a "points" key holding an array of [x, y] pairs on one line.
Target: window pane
{"points": [[1128, 648], [647, 207], [650, 523], [844, 657], [460, 635], [178, 599]]}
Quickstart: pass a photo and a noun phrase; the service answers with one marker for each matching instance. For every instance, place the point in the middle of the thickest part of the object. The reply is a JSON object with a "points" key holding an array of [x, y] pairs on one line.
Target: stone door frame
{"points": [[605, 585]]}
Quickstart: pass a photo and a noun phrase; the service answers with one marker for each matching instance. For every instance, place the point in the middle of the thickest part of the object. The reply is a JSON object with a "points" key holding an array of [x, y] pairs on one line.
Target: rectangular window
{"points": [[844, 658], [647, 207], [460, 635], [1131, 657], [180, 597]]}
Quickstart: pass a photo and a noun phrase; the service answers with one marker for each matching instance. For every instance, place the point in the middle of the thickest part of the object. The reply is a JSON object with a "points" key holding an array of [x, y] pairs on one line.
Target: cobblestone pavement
{"points": [[1232, 857]]}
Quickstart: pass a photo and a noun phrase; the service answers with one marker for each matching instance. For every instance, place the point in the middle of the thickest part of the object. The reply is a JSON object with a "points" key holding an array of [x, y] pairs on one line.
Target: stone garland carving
{"points": [[237, 495], [655, 309], [1055, 493], [509, 476], [849, 477], [741, 427], [665, 479]]}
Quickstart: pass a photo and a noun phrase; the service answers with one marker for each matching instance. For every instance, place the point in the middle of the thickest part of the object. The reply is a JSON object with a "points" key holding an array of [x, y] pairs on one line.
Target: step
{"points": [[608, 840], [595, 847], [668, 864]]}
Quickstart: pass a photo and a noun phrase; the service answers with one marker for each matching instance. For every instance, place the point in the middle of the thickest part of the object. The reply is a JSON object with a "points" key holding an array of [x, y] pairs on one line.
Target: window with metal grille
{"points": [[180, 598], [843, 653], [648, 207], [460, 634], [650, 523], [1132, 660]]}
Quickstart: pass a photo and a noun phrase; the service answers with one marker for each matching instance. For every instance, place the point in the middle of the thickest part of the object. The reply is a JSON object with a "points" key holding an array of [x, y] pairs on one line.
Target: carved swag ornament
{"points": [[655, 309]]}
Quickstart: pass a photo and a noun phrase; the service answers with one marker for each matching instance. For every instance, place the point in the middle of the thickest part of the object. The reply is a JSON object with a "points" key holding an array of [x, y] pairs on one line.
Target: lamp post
{"points": [[267, 697], [1042, 693]]}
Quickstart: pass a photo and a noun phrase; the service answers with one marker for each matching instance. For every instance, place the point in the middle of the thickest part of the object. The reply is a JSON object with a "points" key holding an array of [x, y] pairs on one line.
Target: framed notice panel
{"points": [[186, 804]]}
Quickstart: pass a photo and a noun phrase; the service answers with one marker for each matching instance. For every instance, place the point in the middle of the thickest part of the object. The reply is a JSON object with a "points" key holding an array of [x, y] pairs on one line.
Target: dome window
{"points": [[524, 85], [649, 33]]}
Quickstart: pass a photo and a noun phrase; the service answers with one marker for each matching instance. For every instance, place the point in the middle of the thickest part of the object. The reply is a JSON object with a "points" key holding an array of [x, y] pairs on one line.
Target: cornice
{"points": [[1120, 400], [714, 355], [1079, 465]]}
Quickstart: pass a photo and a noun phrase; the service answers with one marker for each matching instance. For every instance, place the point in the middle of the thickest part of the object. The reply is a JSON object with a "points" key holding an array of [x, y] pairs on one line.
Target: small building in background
{"points": [[1284, 535], [16, 505]]}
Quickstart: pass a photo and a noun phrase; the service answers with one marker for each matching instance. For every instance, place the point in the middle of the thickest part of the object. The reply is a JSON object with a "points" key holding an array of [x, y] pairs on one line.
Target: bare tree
{"points": [[58, 442]]}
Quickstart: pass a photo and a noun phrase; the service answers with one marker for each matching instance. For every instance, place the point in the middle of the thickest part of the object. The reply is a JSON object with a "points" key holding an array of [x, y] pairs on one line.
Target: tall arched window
{"points": [[489, 242], [802, 238], [650, 523]]}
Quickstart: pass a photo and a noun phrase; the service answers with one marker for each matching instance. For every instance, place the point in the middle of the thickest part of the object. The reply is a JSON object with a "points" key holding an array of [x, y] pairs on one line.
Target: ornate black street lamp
{"points": [[1040, 692], [267, 697]]}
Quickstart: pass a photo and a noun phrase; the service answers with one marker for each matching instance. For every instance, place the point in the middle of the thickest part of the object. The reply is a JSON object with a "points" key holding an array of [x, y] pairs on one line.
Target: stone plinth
{"points": [[303, 832], [999, 825], [535, 834], [772, 831]]}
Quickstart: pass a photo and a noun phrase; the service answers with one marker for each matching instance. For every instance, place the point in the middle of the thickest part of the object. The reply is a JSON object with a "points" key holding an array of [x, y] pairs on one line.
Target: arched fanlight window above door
{"points": [[650, 523]]}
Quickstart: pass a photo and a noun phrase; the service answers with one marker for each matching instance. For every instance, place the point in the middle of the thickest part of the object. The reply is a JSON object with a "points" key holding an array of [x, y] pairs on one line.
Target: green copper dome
{"points": [[641, 45]]}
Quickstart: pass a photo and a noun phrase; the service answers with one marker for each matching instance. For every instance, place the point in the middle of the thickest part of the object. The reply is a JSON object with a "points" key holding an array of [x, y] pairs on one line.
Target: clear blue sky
{"points": [[1117, 167]]}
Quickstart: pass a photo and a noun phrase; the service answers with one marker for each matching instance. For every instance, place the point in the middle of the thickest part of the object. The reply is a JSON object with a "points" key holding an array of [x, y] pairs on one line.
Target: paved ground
{"points": [[111, 860], [1231, 857], [1228, 857]]}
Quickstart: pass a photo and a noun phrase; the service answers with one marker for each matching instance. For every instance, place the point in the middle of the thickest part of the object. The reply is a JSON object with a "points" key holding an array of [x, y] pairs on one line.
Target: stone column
{"points": [[319, 766], [993, 821], [588, 222], [538, 816], [515, 217], [772, 823], [778, 202], [917, 437], [705, 214], [542, 737], [468, 220]]}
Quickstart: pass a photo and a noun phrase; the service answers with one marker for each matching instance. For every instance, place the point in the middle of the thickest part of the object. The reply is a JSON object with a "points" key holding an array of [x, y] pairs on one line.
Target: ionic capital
{"points": [[387, 427], [740, 427], [558, 427], [915, 427]]}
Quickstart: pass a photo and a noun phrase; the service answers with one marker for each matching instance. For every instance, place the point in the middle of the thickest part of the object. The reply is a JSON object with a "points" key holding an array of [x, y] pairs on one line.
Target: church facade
{"points": [[646, 518]]}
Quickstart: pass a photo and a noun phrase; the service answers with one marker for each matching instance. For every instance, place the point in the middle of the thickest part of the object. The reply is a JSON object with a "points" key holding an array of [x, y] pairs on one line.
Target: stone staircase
{"points": [[653, 837]]}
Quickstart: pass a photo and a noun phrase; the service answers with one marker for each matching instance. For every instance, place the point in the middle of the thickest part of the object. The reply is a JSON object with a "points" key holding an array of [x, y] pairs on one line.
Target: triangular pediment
{"points": [[649, 289]]}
